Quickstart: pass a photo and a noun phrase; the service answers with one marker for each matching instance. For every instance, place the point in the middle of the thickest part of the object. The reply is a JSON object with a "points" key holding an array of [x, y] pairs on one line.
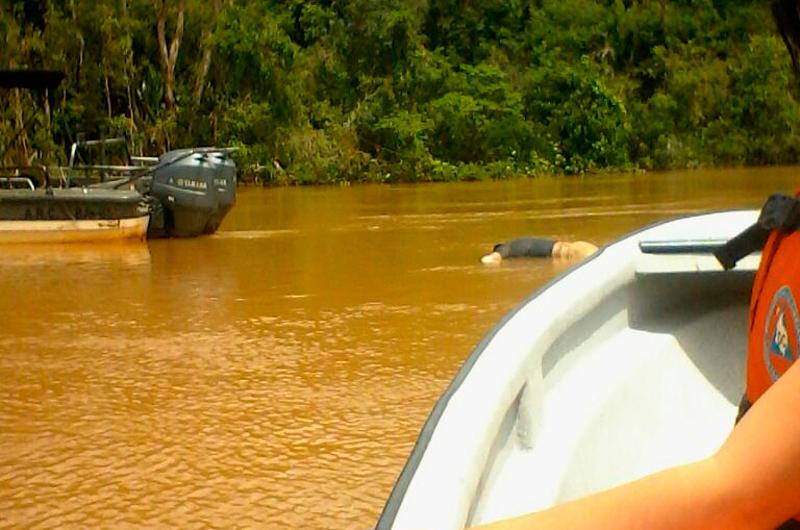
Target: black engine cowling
{"points": [[194, 190]]}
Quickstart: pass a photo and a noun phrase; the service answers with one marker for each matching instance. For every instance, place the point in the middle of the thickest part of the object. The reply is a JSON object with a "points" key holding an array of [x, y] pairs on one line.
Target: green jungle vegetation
{"points": [[333, 91]]}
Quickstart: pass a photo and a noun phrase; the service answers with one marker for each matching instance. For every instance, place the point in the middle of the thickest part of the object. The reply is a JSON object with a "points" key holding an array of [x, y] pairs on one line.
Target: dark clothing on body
{"points": [[526, 247]]}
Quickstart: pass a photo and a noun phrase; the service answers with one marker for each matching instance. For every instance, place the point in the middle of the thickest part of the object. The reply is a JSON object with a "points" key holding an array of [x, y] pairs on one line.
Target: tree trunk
{"points": [[131, 111], [23, 135], [169, 56], [48, 123], [108, 95], [205, 61]]}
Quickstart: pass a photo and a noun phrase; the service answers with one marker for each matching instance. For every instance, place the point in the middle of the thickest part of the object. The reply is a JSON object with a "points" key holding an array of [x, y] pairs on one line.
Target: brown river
{"points": [[275, 375]]}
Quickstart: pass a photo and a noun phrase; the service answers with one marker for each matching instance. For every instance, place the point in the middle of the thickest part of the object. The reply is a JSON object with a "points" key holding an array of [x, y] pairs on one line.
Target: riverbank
{"points": [[312, 93]]}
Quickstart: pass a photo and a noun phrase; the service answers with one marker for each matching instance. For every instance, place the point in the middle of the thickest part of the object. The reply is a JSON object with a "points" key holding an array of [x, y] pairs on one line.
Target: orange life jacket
{"points": [[774, 335]]}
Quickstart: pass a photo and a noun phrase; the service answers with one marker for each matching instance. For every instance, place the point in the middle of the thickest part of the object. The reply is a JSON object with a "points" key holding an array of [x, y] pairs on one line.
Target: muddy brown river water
{"points": [[275, 375]]}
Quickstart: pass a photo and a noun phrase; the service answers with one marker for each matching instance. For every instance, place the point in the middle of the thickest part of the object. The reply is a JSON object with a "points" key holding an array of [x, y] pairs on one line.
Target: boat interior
{"points": [[631, 362], [648, 380]]}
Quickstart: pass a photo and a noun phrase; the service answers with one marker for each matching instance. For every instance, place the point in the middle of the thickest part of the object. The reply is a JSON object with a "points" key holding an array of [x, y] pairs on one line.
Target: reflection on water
{"points": [[276, 374], [254, 234], [101, 254]]}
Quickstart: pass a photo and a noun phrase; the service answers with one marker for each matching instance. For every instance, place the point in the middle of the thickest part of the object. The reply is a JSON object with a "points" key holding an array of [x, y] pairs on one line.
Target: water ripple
{"points": [[109, 427]]}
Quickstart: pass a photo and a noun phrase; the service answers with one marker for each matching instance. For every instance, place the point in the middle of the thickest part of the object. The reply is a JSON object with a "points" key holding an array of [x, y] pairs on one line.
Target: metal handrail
{"points": [[27, 172], [18, 180]]}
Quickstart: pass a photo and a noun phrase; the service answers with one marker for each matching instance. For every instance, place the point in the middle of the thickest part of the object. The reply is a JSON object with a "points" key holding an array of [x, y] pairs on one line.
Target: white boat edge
{"points": [[447, 462], [74, 231]]}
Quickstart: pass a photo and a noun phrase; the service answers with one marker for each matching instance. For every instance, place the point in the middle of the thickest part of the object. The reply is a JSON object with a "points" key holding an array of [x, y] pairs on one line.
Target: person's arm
{"points": [[752, 482]]}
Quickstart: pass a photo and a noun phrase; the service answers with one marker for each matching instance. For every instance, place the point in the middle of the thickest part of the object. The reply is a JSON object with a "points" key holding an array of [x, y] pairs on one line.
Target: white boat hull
{"points": [[627, 364], [73, 231]]}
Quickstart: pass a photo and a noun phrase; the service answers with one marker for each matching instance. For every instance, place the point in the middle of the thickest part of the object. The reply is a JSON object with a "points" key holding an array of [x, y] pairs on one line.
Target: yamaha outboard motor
{"points": [[191, 191]]}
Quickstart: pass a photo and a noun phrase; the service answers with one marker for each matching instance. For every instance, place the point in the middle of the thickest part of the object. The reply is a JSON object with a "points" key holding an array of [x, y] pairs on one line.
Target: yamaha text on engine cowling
{"points": [[191, 191]]}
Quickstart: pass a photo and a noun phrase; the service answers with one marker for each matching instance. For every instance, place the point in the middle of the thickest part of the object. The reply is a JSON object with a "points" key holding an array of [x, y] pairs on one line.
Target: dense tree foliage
{"points": [[353, 90]]}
